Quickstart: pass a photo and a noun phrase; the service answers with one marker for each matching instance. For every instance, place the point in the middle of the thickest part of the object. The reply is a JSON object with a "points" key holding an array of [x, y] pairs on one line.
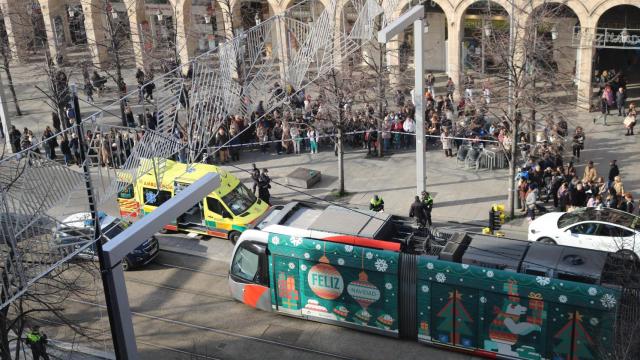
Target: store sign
{"points": [[608, 38]]}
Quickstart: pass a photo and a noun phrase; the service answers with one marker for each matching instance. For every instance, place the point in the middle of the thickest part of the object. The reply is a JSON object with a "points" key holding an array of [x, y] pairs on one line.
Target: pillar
{"points": [[585, 68], [97, 32], [186, 42], [66, 28], [227, 7], [281, 43], [19, 29], [51, 9], [453, 51], [137, 16], [393, 61]]}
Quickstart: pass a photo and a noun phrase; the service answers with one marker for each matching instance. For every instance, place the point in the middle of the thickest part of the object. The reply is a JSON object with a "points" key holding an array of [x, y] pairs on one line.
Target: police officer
{"points": [[264, 184], [376, 204], [427, 203], [418, 211], [38, 343], [255, 175]]}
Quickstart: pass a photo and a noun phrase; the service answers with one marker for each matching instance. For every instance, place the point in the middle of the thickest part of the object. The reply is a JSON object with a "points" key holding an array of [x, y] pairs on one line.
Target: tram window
{"points": [[245, 264], [155, 197]]}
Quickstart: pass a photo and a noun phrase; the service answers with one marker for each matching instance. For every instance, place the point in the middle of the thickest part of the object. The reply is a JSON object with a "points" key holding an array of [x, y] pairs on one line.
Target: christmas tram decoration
{"points": [[448, 296]]}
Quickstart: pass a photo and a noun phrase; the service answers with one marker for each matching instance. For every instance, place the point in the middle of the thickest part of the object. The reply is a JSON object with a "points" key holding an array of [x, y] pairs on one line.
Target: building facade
{"points": [[595, 30]]}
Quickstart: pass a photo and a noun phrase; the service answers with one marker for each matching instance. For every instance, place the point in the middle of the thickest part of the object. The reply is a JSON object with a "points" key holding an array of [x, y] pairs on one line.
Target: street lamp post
{"points": [[414, 16]]}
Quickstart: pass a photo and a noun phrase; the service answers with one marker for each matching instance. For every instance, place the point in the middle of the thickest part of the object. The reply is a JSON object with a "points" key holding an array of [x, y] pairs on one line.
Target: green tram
{"points": [[489, 296]]}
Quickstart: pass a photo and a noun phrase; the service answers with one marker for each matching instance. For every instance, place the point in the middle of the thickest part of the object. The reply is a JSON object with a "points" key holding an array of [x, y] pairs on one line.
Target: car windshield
{"points": [[239, 199], [604, 215], [113, 230]]}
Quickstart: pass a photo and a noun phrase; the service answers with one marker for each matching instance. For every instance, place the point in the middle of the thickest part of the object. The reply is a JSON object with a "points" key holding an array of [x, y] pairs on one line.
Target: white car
{"points": [[599, 229]]}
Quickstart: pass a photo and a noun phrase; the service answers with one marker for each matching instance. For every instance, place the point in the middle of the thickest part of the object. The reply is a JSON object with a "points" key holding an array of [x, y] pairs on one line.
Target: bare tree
{"points": [[525, 85], [7, 56]]}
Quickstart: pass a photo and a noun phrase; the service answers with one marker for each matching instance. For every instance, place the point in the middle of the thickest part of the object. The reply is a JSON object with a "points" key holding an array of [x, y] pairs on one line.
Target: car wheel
{"points": [[234, 236], [125, 265], [546, 240]]}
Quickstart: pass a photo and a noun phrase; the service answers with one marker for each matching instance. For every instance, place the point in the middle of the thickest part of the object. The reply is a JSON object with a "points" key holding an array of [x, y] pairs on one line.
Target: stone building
{"points": [[603, 34]]}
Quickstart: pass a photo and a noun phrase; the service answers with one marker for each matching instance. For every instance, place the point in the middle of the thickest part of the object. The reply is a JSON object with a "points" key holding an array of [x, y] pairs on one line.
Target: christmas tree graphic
{"points": [[576, 347], [454, 327]]}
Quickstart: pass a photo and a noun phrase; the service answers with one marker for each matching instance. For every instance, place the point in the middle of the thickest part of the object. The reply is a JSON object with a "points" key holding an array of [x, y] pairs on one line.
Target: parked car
{"points": [[592, 228], [77, 229]]}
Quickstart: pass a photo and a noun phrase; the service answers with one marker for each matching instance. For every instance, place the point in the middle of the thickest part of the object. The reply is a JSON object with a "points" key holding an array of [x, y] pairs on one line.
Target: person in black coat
{"points": [[255, 176], [417, 211], [613, 172], [627, 205], [14, 138], [264, 184]]}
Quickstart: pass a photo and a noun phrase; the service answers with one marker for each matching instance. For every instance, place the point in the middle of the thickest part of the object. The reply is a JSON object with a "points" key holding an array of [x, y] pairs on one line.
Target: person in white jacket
{"points": [[409, 127]]}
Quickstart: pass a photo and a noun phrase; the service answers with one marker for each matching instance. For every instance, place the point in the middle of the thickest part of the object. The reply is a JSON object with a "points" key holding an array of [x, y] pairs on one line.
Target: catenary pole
{"points": [[97, 235]]}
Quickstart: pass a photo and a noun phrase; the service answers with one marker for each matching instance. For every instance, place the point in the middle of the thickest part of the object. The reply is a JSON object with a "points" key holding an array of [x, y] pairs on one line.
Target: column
{"points": [[281, 45], [585, 68], [453, 52], [137, 16], [51, 9], [97, 32], [185, 41], [393, 61], [17, 23], [337, 48], [66, 28]]}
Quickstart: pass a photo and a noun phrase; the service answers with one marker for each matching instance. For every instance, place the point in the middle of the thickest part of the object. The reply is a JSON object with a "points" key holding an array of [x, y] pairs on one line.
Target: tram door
{"points": [[287, 284]]}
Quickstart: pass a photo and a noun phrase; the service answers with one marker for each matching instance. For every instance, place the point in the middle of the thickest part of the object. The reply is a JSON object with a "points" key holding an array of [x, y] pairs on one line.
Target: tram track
{"points": [[219, 332]]}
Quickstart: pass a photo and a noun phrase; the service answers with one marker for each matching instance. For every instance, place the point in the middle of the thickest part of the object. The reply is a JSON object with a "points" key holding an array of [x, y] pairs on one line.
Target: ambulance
{"points": [[224, 213]]}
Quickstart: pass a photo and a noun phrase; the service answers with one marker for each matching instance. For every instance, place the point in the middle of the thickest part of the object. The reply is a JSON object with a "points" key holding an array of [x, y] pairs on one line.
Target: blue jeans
{"points": [[386, 144]]}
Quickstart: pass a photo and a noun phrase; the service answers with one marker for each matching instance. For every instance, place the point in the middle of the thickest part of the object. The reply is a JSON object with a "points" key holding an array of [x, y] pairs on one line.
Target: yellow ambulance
{"points": [[225, 213]]}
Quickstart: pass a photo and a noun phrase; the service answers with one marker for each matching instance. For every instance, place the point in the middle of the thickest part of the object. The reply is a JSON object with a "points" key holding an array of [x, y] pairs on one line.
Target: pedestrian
{"points": [[376, 204], [451, 87], [15, 138], [409, 127], [430, 84], [621, 97], [618, 187], [590, 173], [262, 137], [37, 341], [627, 204], [65, 148], [417, 211], [264, 184], [234, 145], [427, 204], [88, 90], [128, 114], [50, 140], [629, 121], [255, 176], [446, 143], [532, 198], [468, 88], [297, 139], [563, 197], [221, 142], [312, 134], [613, 172], [578, 142]]}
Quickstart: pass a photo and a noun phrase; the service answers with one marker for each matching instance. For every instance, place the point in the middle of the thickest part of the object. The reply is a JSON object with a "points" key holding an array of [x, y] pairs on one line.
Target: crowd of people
{"points": [[541, 183], [613, 96]]}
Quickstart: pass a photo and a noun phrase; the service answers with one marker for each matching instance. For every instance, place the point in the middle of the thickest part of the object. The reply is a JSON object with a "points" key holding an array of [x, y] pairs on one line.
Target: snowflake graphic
{"points": [[340, 261], [543, 280], [430, 266], [489, 274], [425, 288], [303, 267], [465, 266], [292, 266], [348, 248], [562, 299], [483, 299], [318, 247], [592, 291], [275, 240], [296, 241], [306, 255], [608, 301], [381, 265], [369, 255], [593, 321], [388, 286], [440, 277]]}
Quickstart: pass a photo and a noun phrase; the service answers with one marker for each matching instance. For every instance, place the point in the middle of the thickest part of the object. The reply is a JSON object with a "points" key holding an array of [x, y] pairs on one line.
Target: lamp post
{"points": [[414, 16]]}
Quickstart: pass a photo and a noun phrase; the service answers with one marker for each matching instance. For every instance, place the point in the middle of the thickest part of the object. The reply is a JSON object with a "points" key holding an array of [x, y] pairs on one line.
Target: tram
{"points": [[491, 297]]}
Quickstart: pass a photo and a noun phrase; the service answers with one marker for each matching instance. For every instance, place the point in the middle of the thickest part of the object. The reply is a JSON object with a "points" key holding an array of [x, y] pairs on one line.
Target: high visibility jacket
{"points": [[376, 205], [33, 337], [428, 202]]}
